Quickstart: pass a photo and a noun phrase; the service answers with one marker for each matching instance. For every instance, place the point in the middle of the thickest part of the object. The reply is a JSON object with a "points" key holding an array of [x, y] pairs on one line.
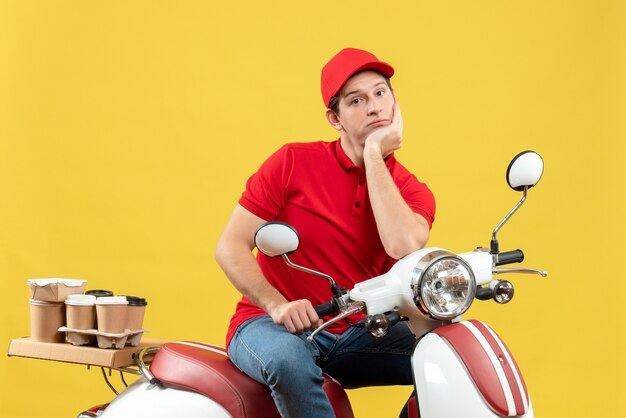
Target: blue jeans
{"points": [[292, 367]]}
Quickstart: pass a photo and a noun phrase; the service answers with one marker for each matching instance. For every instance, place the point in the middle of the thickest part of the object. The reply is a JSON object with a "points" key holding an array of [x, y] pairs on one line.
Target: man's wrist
{"points": [[274, 304], [372, 153]]}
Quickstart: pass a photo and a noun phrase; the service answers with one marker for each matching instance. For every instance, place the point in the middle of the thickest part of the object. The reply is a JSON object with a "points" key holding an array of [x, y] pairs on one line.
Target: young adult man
{"points": [[356, 210]]}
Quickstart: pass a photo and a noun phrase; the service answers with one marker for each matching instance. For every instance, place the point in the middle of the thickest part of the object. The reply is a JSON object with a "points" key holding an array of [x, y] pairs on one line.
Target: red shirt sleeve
{"points": [[420, 199], [265, 193], [415, 193]]}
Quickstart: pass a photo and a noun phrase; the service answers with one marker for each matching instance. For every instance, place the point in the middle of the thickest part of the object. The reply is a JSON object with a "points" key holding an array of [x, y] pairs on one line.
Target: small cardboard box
{"points": [[93, 356], [55, 290], [105, 339]]}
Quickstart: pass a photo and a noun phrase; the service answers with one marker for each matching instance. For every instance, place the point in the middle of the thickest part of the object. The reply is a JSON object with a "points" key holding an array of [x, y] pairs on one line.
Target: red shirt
{"points": [[317, 188]]}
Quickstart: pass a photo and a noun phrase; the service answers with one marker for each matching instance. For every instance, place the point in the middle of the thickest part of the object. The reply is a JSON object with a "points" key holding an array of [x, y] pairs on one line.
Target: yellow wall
{"points": [[128, 129]]}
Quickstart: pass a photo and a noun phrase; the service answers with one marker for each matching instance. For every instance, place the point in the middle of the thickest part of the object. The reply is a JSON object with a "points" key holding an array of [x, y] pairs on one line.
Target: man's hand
{"points": [[388, 138], [297, 316]]}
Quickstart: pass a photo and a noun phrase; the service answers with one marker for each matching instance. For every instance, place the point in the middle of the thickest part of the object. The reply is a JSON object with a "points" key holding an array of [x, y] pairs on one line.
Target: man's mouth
{"points": [[378, 122]]}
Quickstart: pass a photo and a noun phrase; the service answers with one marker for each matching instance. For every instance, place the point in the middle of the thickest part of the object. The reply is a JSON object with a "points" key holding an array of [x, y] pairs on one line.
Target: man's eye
{"points": [[380, 93], [356, 100]]}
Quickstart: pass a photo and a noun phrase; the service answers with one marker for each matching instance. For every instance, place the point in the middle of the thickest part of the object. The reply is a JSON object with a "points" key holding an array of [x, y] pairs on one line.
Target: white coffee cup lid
{"points": [[112, 300], [80, 300]]}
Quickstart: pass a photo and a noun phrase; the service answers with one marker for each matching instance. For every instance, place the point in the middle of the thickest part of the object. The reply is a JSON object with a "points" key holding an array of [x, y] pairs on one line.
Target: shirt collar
{"points": [[342, 158], [347, 164]]}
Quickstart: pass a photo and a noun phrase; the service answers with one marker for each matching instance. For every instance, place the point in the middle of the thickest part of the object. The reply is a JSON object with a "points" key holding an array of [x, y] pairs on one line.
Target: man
{"points": [[357, 210]]}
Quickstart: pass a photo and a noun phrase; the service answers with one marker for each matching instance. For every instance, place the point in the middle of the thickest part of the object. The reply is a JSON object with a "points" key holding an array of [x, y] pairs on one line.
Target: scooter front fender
{"points": [[464, 369], [141, 399]]}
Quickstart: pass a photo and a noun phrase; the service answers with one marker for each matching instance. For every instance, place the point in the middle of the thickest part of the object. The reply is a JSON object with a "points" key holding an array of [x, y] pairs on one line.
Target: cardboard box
{"points": [[105, 339], [55, 290], [93, 356]]}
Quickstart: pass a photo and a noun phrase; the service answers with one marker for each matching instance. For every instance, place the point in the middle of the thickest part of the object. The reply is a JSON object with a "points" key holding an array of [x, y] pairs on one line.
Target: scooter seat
{"points": [[206, 369]]}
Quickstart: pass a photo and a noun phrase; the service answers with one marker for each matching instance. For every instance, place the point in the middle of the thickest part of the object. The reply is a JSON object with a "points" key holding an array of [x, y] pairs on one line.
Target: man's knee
{"points": [[292, 364]]}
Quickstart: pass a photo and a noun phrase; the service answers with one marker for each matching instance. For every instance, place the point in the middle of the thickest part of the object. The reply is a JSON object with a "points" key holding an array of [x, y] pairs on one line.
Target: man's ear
{"points": [[333, 119]]}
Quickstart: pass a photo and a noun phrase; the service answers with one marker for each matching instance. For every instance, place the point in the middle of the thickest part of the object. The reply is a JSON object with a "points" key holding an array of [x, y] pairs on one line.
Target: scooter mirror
{"points": [[276, 238], [525, 170]]}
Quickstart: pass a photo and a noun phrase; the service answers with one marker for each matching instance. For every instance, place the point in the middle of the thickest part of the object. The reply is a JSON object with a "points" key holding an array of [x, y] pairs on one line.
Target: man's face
{"points": [[365, 104]]}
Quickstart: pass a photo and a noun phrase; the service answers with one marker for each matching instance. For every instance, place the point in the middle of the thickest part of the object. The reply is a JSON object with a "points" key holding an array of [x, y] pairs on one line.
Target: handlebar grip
{"points": [[484, 293], [327, 308], [509, 257], [393, 317]]}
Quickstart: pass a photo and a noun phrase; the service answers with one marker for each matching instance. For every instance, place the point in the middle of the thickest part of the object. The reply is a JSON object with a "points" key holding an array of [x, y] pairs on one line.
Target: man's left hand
{"points": [[388, 138]]}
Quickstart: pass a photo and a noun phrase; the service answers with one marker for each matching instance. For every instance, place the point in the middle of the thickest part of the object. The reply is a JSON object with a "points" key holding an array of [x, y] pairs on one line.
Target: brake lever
{"points": [[355, 308], [519, 270]]}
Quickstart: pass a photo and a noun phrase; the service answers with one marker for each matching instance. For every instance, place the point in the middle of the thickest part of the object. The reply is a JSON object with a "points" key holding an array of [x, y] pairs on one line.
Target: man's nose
{"points": [[373, 107]]}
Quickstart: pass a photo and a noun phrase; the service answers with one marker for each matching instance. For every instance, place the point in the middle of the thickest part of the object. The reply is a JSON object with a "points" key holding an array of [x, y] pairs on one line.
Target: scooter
{"points": [[460, 367]]}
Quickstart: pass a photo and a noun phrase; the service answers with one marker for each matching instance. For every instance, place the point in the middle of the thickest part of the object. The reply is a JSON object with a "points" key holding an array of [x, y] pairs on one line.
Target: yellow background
{"points": [[128, 129]]}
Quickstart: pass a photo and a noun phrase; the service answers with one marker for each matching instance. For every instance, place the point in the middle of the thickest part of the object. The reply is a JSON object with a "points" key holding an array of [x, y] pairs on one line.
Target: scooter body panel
{"points": [[141, 399], [447, 389]]}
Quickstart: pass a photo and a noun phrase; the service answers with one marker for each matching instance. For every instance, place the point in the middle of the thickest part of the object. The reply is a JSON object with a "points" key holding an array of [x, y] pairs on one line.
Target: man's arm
{"points": [[401, 230], [234, 255]]}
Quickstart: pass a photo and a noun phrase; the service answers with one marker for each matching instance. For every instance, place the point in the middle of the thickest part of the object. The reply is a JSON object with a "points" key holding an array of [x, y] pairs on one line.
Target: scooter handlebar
{"points": [[327, 308], [509, 257]]}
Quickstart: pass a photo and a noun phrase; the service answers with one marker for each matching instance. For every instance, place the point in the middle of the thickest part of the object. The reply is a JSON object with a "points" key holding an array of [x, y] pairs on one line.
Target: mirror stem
{"points": [[307, 270], [494, 242]]}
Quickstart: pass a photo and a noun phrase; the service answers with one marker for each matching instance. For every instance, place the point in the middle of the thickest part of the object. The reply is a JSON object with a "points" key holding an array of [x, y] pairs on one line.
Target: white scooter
{"points": [[460, 368]]}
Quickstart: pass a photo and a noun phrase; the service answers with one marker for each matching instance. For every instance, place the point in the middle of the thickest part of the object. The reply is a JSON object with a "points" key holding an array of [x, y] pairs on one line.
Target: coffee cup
{"points": [[136, 312], [111, 312], [45, 320], [81, 311]]}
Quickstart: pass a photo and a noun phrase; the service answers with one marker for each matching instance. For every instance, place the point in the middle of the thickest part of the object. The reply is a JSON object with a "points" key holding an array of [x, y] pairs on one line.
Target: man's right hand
{"points": [[297, 316]]}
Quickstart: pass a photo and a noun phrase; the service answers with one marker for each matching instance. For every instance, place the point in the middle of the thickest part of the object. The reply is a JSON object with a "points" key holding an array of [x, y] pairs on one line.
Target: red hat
{"points": [[344, 65]]}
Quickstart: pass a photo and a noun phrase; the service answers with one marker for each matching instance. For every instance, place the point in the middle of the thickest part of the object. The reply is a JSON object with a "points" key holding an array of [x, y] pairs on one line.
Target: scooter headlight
{"points": [[443, 285]]}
